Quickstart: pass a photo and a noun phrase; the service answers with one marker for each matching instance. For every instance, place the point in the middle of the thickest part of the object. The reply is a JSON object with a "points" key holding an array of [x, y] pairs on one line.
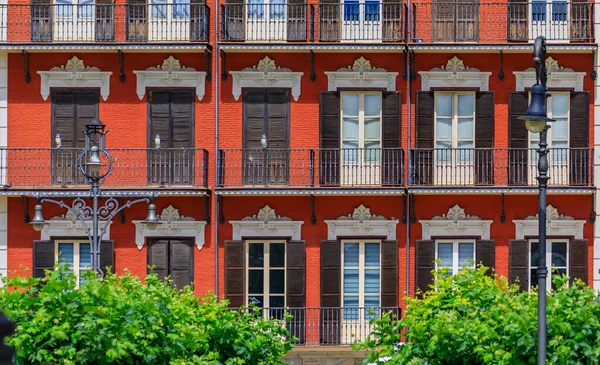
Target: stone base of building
{"points": [[338, 355]]}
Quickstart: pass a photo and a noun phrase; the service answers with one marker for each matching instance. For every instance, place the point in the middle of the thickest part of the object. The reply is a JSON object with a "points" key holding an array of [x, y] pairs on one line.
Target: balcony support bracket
{"points": [[25, 57], [313, 218], [122, 217], [206, 208], [121, 57], [313, 75], [221, 214], [501, 73], [593, 212], [207, 62], [413, 216], [502, 215], [404, 200], [25, 204], [223, 64], [593, 74]]}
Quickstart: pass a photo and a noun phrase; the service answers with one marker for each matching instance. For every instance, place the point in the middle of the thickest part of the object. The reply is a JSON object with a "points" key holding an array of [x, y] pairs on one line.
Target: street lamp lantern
{"points": [[536, 117], [152, 220], [38, 221], [94, 127], [94, 164]]}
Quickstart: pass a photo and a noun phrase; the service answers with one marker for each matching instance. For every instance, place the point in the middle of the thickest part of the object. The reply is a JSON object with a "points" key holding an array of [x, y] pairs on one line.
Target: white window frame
{"points": [[549, 113], [266, 270], [76, 259], [456, 265], [549, 243], [361, 272], [454, 141], [361, 117]]}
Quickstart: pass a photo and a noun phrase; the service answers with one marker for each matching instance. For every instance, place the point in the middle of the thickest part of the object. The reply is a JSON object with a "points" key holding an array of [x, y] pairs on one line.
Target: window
{"points": [[361, 279], [361, 126], [174, 258], [276, 9], [556, 260], [266, 275], [455, 254], [76, 254], [352, 10], [454, 126]]}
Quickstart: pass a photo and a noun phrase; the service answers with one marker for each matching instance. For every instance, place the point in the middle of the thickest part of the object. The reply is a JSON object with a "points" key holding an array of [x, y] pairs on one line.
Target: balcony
{"points": [[453, 21], [104, 24], [467, 167], [351, 22], [57, 168], [346, 167]]}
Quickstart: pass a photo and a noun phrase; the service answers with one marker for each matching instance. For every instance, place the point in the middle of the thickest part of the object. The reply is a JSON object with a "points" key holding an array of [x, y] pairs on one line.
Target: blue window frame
{"points": [[181, 9], [538, 11], [559, 11], [256, 9], [351, 10], [372, 11], [277, 9]]}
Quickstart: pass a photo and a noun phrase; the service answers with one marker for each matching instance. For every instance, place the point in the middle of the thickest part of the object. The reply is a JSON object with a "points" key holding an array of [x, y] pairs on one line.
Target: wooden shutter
{"points": [[389, 274], [329, 20], [518, 143], [158, 257], [235, 273], [443, 20], [393, 21], [424, 263], [422, 158], [107, 256], [517, 21], [137, 21], [158, 117], [329, 119], [392, 159], [579, 133], [43, 257], [86, 109], [296, 287], [105, 22], [41, 20], [182, 119], [296, 23], [331, 292], [518, 263], [485, 253], [63, 116], [181, 262], [277, 119], [581, 20], [232, 21], [578, 260], [484, 138]]}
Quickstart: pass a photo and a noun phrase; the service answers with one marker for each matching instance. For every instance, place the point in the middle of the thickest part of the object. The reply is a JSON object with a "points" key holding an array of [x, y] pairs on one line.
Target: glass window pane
{"points": [[445, 254], [372, 128], [277, 9], [443, 128], [371, 307], [349, 153], [351, 254], [372, 254], [181, 10], [351, 10], [350, 128], [276, 301], [559, 11], [85, 258], [64, 9], [560, 105], [559, 254], [535, 256], [85, 9], [257, 300], [372, 105], [256, 254], [534, 137], [372, 10], [465, 105], [372, 281], [465, 128], [351, 281], [256, 279], [560, 129], [255, 9], [351, 311], [350, 105], [372, 152], [443, 105], [66, 253], [444, 153], [277, 255], [159, 8], [538, 11], [465, 254], [277, 282], [465, 152], [371, 301]]}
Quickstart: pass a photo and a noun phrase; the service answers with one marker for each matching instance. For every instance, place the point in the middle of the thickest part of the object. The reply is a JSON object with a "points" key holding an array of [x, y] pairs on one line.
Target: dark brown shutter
{"points": [[296, 287], [158, 117], [182, 116], [422, 157], [518, 263], [158, 257], [578, 260], [329, 118], [296, 20], [484, 138], [331, 292], [86, 109], [181, 262], [518, 141], [43, 257], [63, 115], [329, 20], [392, 157], [254, 126], [107, 256], [581, 20], [137, 21], [424, 264], [234, 273], [580, 156], [517, 21], [105, 22], [389, 274], [485, 253], [393, 21], [41, 20]]}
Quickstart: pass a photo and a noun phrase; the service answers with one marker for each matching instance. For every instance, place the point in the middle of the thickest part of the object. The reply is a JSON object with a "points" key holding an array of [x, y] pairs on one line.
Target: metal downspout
{"points": [[216, 78]]}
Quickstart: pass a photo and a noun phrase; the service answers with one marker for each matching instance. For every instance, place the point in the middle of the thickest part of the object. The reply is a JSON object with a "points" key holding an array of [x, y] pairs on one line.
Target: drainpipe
{"points": [[216, 77], [409, 122]]}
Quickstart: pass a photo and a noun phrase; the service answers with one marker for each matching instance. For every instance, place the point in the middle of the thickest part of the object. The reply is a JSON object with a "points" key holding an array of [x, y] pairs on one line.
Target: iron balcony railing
{"points": [[342, 167], [498, 167], [328, 326], [104, 23], [25, 168], [521, 21], [324, 22]]}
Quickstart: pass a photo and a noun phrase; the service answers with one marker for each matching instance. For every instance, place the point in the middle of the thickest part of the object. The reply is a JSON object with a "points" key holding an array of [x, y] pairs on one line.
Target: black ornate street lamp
{"points": [[95, 163], [536, 121]]}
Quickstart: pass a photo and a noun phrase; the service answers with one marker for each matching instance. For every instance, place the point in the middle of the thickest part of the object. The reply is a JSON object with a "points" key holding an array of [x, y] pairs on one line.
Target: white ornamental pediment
{"points": [[456, 222], [556, 224], [266, 223], [170, 74], [67, 225], [361, 223], [558, 77], [73, 75], [361, 74], [455, 74], [171, 224], [264, 75]]}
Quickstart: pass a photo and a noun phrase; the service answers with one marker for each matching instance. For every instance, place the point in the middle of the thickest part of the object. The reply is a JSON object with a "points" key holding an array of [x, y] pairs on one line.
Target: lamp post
{"points": [[536, 121], [91, 164]]}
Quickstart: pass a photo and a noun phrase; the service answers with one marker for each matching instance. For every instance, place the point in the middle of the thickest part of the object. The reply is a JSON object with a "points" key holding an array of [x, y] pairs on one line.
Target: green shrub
{"points": [[473, 318], [120, 320]]}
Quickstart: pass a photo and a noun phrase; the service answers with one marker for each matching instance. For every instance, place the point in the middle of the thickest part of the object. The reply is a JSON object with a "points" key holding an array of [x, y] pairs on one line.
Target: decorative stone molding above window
{"points": [[75, 74], [361, 74], [558, 77], [266, 74], [266, 224], [456, 223], [454, 74], [170, 74], [556, 224], [67, 225], [171, 224], [361, 223]]}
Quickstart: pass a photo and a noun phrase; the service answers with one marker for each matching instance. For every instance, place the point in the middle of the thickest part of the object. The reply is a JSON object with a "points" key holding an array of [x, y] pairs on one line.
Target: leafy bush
{"points": [[473, 318], [120, 320]]}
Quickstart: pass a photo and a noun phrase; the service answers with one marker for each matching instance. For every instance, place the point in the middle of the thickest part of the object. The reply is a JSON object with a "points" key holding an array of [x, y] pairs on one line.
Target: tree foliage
{"points": [[120, 320], [473, 318]]}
